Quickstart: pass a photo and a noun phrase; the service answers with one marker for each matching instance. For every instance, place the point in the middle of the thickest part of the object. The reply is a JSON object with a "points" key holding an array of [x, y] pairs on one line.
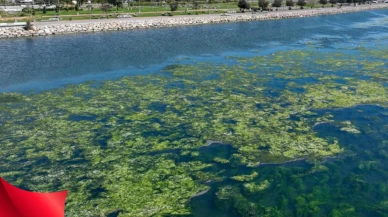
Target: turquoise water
{"points": [[297, 111]]}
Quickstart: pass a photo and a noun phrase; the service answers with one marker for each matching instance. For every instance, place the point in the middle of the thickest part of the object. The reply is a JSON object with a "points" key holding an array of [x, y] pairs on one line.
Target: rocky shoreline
{"points": [[158, 22]]}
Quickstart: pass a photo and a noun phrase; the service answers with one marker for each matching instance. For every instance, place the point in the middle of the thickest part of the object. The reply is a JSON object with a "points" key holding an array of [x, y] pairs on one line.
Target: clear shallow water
{"points": [[258, 87]]}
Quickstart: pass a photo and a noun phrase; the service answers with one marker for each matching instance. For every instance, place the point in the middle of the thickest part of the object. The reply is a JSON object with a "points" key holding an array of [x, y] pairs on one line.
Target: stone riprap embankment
{"points": [[139, 23]]}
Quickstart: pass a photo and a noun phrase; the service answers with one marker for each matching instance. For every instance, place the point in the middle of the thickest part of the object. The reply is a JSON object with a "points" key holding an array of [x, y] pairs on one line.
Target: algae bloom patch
{"points": [[137, 146]]}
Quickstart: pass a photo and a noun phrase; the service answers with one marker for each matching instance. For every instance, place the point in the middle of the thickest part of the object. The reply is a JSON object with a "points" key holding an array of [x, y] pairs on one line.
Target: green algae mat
{"points": [[272, 135]]}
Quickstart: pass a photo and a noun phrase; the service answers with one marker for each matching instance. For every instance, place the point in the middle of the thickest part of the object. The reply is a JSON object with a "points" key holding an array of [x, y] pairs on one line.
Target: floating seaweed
{"points": [[149, 143]]}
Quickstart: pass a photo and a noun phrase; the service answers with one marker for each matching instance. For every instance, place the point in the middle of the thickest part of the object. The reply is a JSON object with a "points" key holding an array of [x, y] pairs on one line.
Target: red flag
{"points": [[15, 202]]}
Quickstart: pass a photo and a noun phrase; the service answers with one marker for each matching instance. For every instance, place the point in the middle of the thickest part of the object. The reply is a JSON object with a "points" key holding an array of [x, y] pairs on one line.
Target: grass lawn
{"points": [[139, 10]]}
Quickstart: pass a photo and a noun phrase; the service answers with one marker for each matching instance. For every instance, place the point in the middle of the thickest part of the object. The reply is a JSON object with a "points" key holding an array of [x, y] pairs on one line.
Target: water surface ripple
{"points": [[27, 63]]}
